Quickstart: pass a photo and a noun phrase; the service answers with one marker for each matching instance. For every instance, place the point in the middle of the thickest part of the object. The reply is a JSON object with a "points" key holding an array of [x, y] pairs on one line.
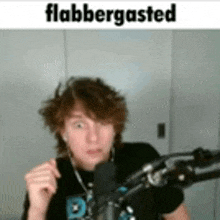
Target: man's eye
{"points": [[79, 125]]}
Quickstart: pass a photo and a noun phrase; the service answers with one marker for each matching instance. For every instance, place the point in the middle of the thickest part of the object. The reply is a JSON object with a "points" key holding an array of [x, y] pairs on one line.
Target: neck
{"points": [[84, 166]]}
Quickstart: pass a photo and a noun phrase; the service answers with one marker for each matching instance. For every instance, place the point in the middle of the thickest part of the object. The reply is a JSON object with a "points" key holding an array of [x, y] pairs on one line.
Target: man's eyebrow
{"points": [[75, 115]]}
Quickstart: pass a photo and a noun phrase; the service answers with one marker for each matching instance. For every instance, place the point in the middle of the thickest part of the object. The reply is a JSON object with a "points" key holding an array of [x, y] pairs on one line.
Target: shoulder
{"points": [[139, 150], [132, 157], [61, 161], [64, 165]]}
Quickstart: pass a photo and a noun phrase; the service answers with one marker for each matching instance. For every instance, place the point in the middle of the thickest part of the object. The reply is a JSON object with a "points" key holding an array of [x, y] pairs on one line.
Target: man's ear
{"points": [[64, 138], [63, 135]]}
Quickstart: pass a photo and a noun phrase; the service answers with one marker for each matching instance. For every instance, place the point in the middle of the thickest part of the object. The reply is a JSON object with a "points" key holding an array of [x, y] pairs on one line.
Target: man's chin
{"points": [[89, 163], [94, 163]]}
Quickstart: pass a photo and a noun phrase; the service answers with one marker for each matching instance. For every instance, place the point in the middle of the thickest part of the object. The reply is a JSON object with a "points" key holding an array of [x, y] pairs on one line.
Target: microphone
{"points": [[104, 185]]}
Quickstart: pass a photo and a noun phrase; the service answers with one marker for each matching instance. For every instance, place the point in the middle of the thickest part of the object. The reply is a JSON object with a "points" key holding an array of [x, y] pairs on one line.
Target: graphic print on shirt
{"points": [[77, 209]]}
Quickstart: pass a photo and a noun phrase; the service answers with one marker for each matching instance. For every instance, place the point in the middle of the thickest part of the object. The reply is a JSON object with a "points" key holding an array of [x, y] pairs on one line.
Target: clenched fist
{"points": [[41, 184]]}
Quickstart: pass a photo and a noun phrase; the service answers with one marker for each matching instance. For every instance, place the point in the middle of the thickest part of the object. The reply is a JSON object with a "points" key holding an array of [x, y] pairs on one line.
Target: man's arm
{"points": [[179, 214]]}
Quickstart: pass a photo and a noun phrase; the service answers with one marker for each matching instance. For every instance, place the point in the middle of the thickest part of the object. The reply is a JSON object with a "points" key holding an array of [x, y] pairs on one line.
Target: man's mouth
{"points": [[94, 152]]}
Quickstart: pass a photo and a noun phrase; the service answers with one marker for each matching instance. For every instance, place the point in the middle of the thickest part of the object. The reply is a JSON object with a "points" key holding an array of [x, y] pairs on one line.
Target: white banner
{"points": [[108, 15]]}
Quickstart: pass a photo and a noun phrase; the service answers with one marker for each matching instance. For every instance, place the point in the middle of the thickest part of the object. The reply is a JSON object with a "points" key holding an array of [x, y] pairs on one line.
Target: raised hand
{"points": [[41, 183]]}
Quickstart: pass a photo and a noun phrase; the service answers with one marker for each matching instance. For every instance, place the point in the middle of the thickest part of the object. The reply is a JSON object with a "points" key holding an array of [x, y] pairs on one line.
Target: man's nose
{"points": [[93, 134]]}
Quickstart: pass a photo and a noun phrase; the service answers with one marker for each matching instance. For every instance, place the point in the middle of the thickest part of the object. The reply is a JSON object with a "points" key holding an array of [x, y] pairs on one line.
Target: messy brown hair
{"points": [[98, 99]]}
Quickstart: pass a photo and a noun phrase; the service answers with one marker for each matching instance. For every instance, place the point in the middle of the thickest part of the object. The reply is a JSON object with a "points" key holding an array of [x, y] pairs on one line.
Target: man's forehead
{"points": [[77, 114], [79, 111], [78, 106]]}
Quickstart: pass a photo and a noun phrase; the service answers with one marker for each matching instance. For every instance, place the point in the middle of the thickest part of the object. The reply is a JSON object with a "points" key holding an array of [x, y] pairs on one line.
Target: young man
{"points": [[88, 118]]}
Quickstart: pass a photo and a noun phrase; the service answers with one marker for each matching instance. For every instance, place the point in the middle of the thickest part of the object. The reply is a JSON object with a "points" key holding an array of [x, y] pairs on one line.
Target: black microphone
{"points": [[104, 186]]}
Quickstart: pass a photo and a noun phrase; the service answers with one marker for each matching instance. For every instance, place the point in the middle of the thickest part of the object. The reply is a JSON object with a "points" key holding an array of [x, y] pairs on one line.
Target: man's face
{"points": [[90, 141]]}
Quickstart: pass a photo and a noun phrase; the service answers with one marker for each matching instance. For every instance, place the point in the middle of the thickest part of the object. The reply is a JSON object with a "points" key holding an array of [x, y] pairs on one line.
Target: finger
{"points": [[42, 182], [46, 166], [47, 173], [44, 176], [42, 179], [54, 164], [42, 186]]}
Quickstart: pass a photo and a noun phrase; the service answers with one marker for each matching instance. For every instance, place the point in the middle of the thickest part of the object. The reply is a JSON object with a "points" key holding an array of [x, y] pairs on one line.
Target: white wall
{"points": [[195, 107], [31, 63]]}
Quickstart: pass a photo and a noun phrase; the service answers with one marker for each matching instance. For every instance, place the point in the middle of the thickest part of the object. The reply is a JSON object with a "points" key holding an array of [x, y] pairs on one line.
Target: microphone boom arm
{"points": [[155, 174]]}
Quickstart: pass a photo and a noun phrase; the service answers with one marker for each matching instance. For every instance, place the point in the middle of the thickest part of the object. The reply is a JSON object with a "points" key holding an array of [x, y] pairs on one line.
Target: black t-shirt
{"points": [[70, 200]]}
